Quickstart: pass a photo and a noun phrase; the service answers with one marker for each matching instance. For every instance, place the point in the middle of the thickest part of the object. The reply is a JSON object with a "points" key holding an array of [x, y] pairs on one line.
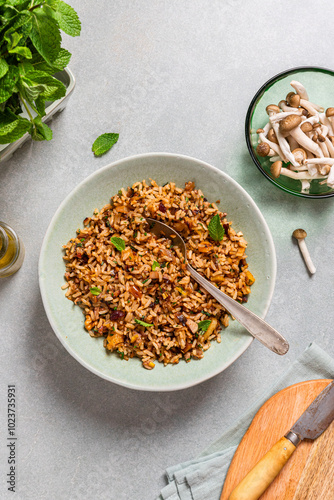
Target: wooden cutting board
{"points": [[309, 473]]}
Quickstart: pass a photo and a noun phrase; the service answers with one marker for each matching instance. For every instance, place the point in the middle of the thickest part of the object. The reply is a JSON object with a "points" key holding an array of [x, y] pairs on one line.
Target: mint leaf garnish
{"points": [[155, 265], [103, 143], [119, 243], [95, 290], [216, 229], [142, 323], [203, 325]]}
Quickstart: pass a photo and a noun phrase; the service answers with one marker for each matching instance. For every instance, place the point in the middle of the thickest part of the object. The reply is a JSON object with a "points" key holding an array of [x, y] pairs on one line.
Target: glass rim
{"points": [[4, 238], [249, 114]]}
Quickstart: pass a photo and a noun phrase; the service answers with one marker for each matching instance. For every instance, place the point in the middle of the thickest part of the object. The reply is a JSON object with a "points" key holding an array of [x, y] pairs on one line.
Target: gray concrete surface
{"points": [[173, 76]]}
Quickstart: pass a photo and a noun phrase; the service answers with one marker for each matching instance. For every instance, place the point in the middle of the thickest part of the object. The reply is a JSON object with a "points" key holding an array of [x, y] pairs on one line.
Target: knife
{"points": [[313, 422]]}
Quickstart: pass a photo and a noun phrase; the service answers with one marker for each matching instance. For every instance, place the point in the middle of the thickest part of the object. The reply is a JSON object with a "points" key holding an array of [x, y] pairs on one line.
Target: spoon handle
{"points": [[255, 325]]}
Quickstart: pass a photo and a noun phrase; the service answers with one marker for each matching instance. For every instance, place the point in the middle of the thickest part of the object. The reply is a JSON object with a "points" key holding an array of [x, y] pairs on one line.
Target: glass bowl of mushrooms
{"points": [[290, 131]]}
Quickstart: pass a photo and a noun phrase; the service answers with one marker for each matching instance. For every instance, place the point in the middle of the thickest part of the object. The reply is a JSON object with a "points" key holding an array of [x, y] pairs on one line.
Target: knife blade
{"points": [[317, 417], [310, 425]]}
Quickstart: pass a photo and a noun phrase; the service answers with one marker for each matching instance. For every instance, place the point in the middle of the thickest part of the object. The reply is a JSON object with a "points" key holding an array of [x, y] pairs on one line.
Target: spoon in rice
{"points": [[256, 326]]}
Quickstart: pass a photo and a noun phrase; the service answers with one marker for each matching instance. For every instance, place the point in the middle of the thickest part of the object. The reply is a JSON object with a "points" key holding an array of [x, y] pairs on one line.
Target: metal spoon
{"points": [[255, 325]]}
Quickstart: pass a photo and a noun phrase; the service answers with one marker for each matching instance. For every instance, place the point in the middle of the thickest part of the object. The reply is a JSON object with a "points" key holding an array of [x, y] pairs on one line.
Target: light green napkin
{"points": [[202, 478]]}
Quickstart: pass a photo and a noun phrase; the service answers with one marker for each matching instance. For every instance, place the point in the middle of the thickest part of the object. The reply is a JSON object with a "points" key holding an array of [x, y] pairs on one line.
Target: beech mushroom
{"points": [[272, 136], [263, 149], [312, 108], [283, 144], [290, 124], [272, 145], [300, 235], [325, 121], [306, 127], [300, 89], [299, 154], [293, 99], [272, 109], [276, 168], [330, 116], [298, 139]]}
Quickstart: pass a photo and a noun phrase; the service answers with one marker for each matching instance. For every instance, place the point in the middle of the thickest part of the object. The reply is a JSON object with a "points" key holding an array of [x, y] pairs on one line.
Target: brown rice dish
{"points": [[134, 289]]}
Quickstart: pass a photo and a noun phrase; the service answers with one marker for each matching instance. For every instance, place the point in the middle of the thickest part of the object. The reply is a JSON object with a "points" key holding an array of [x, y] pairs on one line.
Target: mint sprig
{"points": [[203, 326], [216, 229], [119, 243], [155, 265], [30, 54], [103, 143]]}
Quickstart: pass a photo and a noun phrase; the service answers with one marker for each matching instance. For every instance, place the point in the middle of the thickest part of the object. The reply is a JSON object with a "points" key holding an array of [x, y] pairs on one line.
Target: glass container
{"points": [[11, 251], [319, 84]]}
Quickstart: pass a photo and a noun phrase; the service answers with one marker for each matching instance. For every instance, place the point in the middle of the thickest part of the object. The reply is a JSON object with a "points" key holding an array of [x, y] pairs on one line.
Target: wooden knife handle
{"points": [[264, 472]]}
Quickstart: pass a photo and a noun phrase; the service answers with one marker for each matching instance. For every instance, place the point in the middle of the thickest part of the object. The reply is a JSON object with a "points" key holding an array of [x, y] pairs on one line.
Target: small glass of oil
{"points": [[11, 251]]}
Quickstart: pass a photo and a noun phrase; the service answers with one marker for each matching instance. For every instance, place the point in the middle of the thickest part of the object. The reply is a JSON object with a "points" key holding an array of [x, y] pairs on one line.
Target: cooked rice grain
{"points": [[119, 289]]}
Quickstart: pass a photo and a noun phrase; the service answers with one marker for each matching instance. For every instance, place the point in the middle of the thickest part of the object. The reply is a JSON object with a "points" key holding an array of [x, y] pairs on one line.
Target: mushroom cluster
{"points": [[299, 134]]}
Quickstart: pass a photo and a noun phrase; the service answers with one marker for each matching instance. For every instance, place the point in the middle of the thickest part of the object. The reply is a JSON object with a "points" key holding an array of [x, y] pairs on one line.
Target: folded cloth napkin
{"points": [[202, 478]]}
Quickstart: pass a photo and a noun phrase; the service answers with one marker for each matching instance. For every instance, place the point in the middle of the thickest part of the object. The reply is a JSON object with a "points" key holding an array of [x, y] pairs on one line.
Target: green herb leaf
{"points": [[103, 143], [45, 35], [3, 67], [8, 83], [12, 127], [95, 290], [119, 243], [42, 131], [215, 228], [67, 19], [204, 325], [145, 281], [21, 51], [142, 323], [155, 265], [58, 64], [43, 85]]}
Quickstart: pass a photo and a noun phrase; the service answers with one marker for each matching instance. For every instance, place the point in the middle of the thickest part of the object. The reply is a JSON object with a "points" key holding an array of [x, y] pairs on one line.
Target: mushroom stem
{"points": [[330, 147], [292, 142], [273, 146], [309, 107], [300, 236], [300, 89], [325, 121], [299, 175], [324, 148], [304, 141], [280, 116], [284, 145], [323, 161], [305, 253]]}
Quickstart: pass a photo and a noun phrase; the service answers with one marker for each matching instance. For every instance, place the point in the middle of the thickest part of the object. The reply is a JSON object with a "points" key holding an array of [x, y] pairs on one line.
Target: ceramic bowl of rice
{"points": [[121, 300]]}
